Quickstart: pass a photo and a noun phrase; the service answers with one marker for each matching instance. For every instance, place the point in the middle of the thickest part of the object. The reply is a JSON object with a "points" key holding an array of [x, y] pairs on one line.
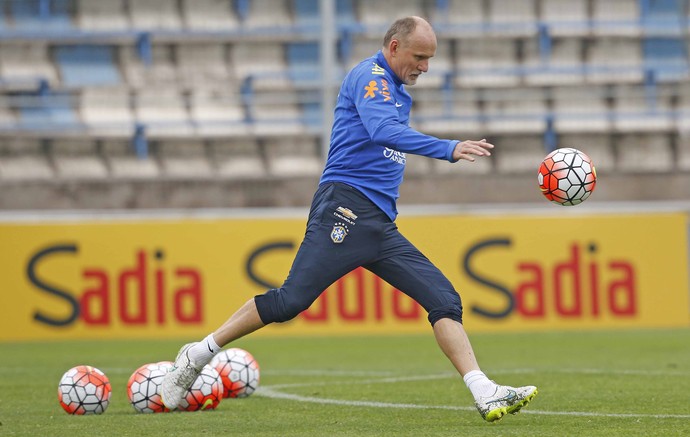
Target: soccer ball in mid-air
{"points": [[144, 387], [238, 370], [567, 176], [84, 390], [205, 393]]}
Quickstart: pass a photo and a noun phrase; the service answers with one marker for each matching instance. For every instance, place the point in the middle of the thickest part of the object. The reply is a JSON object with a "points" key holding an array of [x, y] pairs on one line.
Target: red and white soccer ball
{"points": [[238, 370], [567, 176], [144, 387], [84, 390], [205, 393]]}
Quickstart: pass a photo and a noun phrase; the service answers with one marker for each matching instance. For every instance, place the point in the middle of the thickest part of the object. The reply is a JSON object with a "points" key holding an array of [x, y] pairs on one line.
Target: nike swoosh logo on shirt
{"points": [[397, 105]]}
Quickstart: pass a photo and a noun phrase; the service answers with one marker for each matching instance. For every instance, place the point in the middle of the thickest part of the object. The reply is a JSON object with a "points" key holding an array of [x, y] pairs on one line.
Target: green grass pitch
{"points": [[624, 383]]}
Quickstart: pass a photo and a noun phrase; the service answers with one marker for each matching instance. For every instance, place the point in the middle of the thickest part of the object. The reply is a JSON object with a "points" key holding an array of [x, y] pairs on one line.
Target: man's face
{"points": [[409, 59]]}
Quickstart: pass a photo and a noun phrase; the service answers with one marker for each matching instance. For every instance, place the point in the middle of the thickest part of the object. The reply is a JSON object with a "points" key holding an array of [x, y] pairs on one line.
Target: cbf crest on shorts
{"points": [[339, 232]]}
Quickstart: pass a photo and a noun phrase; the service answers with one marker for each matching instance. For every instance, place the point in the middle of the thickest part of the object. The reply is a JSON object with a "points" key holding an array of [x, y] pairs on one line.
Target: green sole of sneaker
{"points": [[498, 413]]}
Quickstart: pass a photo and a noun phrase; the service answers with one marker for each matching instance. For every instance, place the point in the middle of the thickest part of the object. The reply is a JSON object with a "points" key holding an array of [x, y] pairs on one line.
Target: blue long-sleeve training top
{"points": [[371, 134]]}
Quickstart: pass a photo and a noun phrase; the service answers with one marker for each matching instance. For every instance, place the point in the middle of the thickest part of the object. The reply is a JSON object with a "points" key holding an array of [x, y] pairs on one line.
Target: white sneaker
{"points": [[179, 378], [505, 400]]}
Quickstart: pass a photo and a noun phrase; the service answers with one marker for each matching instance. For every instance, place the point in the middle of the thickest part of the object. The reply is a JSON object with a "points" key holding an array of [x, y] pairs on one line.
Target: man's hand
{"points": [[465, 150]]}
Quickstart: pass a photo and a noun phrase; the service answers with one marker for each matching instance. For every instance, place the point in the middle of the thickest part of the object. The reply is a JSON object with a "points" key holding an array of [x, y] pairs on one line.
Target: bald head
{"points": [[403, 28], [407, 46]]}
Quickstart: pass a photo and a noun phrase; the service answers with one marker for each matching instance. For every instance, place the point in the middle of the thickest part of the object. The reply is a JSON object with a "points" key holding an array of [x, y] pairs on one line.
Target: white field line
{"points": [[274, 392]]}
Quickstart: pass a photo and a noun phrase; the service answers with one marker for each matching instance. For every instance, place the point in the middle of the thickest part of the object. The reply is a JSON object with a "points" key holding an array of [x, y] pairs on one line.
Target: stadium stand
{"points": [[229, 92]]}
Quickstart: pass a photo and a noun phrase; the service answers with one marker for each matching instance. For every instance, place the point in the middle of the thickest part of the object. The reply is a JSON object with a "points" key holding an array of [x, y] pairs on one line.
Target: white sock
{"points": [[479, 384], [204, 351]]}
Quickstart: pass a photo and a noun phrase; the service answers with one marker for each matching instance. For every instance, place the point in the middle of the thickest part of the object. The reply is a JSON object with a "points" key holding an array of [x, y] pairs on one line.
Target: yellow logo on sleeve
{"points": [[370, 89], [378, 70]]}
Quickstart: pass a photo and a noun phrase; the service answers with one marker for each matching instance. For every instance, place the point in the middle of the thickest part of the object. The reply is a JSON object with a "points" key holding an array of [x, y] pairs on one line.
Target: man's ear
{"points": [[393, 46]]}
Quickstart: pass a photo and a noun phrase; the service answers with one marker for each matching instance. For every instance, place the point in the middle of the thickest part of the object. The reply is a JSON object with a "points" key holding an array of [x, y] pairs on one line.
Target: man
{"points": [[352, 221]]}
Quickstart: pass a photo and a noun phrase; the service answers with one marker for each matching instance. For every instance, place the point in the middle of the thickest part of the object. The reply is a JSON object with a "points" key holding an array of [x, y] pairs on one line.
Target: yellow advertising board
{"points": [[183, 277]]}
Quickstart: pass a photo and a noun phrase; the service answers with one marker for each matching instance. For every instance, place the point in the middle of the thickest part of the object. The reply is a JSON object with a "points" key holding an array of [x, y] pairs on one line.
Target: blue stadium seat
{"points": [[303, 62], [666, 58], [48, 110], [87, 65], [306, 13], [41, 14], [345, 14], [3, 21]]}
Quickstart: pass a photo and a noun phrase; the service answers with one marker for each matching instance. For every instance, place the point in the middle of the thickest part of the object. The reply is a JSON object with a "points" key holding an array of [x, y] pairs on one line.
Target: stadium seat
{"points": [[596, 146], [107, 111], [580, 109], [362, 48], [102, 15], [268, 15], [23, 159], [209, 15], [87, 65], [293, 157], [416, 165], [479, 167], [614, 60], [203, 65], [635, 110], [513, 17], [7, 117], [23, 61], [564, 65], [616, 18], [683, 162], [276, 114], [237, 159], [345, 16], [303, 65], [683, 110], [184, 159], [155, 15], [123, 162], [264, 62], [515, 111], [163, 111], [376, 16], [3, 19], [462, 17], [666, 58], [522, 154], [307, 14], [565, 17], [48, 112], [161, 72], [453, 114], [644, 153], [486, 63], [78, 159], [28, 15], [216, 113]]}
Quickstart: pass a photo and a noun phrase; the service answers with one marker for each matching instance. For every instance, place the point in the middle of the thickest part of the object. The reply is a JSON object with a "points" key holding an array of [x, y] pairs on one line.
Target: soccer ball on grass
{"points": [[205, 393], [84, 390], [144, 387], [238, 370]]}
